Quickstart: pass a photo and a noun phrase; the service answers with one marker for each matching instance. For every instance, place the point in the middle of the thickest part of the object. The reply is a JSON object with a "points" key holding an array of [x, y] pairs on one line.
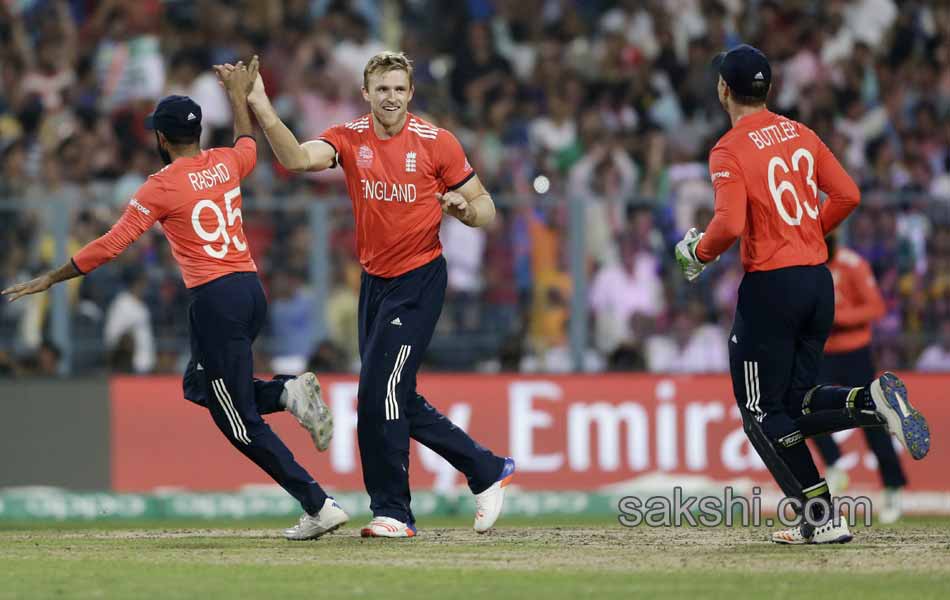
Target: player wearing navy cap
{"points": [[767, 172]]}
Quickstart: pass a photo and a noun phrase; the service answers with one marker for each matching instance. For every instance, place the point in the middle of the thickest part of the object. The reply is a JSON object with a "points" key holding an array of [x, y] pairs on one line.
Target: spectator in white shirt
{"points": [[604, 178], [692, 346], [128, 315], [464, 250], [936, 357]]}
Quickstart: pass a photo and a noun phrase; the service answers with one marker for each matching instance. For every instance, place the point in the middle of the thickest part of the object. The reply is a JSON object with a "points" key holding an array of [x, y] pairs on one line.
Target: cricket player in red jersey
{"points": [[402, 174], [848, 361], [197, 199], [767, 172]]}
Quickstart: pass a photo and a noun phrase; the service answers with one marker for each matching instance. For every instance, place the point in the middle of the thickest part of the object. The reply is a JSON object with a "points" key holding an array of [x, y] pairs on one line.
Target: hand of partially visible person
{"points": [[257, 92]]}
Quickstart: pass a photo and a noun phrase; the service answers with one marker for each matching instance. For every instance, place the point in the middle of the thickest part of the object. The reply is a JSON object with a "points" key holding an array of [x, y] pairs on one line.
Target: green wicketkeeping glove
{"points": [[686, 255]]}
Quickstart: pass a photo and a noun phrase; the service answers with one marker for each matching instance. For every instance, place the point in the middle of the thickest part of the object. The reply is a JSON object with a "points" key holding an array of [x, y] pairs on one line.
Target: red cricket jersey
{"points": [[858, 302], [392, 184], [767, 171], [198, 202]]}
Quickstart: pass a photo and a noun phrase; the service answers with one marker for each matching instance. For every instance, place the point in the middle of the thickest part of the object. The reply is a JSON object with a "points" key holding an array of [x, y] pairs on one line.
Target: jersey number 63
{"points": [[777, 189]]}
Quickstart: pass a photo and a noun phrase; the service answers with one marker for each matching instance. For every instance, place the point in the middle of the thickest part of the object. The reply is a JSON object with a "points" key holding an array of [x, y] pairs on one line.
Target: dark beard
{"points": [[166, 157]]}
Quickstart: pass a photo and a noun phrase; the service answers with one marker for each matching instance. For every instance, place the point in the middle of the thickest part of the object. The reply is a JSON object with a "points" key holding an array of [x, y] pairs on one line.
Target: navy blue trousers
{"points": [[778, 337], [855, 369], [397, 317], [783, 318], [225, 316]]}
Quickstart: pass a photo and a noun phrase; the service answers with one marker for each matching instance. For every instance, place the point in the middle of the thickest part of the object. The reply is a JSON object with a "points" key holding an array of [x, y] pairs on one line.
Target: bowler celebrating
{"points": [[197, 199], [767, 171], [402, 174]]}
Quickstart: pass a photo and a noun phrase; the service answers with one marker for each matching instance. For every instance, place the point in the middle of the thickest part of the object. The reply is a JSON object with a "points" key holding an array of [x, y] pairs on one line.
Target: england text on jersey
{"points": [[392, 184]]}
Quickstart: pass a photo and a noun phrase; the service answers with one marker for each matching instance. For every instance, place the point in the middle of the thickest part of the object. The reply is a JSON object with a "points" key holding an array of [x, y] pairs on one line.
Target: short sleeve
{"points": [[452, 166], [245, 154], [335, 137]]}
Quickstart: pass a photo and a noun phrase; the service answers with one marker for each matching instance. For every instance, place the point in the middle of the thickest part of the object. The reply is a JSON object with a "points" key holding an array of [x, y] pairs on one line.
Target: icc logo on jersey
{"points": [[364, 158], [410, 162]]}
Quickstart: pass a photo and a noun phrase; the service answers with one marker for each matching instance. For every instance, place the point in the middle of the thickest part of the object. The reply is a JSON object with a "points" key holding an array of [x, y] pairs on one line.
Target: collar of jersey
{"points": [[405, 124], [755, 118]]}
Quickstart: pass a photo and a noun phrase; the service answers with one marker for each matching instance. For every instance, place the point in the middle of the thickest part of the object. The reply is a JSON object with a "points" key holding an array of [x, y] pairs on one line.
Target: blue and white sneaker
{"points": [[310, 527], [488, 503], [903, 420]]}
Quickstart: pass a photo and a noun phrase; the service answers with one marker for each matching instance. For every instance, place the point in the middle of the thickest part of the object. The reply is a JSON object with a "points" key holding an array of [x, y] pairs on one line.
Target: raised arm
{"points": [[315, 155], [238, 81]]}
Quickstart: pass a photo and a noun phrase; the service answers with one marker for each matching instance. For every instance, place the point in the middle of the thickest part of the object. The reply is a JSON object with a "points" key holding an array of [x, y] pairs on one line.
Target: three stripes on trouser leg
{"points": [[224, 399], [392, 407], [752, 389]]}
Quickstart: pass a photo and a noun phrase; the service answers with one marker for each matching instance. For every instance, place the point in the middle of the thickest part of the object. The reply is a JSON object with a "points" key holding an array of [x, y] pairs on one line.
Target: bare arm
{"points": [[315, 155], [70, 39], [41, 283], [238, 81], [21, 42], [471, 204]]}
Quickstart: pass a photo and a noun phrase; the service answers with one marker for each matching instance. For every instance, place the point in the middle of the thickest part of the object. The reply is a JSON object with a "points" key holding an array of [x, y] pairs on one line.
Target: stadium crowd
{"points": [[609, 104]]}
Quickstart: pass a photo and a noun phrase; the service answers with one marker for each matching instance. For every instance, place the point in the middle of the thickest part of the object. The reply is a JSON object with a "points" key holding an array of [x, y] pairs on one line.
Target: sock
{"points": [[833, 397], [819, 511]]}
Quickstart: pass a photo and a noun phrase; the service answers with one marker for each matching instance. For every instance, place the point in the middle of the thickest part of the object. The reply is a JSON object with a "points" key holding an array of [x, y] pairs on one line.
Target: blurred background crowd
{"points": [[609, 105]]}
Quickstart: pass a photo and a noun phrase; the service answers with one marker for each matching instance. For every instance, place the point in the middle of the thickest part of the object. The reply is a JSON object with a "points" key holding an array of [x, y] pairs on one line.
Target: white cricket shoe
{"points": [[388, 527], [488, 503], [305, 403], [330, 517], [891, 512], [837, 480], [903, 420], [829, 533]]}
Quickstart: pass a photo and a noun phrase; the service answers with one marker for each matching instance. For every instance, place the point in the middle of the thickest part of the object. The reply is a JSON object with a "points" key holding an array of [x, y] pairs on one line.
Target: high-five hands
{"points": [[239, 78]]}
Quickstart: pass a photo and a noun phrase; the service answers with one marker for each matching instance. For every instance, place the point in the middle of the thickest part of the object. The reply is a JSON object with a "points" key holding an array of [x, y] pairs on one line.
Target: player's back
{"points": [[783, 165], [198, 201]]}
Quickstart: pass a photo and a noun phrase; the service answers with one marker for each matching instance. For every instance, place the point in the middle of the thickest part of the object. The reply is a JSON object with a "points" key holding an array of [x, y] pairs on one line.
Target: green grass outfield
{"points": [[523, 558]]}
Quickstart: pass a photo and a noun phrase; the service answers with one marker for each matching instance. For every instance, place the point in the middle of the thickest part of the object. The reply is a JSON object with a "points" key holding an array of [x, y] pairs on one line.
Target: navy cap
{"points": [[177, 117], [745, 70]]}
